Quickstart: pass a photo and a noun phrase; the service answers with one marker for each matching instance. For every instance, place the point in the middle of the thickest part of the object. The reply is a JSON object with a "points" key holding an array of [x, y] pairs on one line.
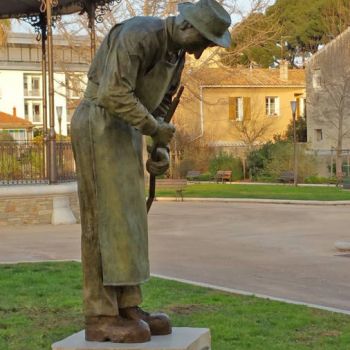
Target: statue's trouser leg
{"points": [[100, 299]]}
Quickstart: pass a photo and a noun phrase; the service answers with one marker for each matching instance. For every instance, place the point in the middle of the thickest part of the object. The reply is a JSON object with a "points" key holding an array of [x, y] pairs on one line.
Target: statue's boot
{"points": [[159, 323], [116, 329]]}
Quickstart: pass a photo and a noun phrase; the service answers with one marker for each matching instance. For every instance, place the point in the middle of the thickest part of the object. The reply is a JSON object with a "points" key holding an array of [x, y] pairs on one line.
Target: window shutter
{"points": [[247, 108], [232, 108], [277, 106], [298, 107]]}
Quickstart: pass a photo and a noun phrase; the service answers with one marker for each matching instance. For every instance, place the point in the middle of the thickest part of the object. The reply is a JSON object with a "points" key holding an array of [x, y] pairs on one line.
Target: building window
{"points": [[15, 54], [239, 108], [36, 112], [35, 55], [317, 79], [74, 85], [272, 106], [67, 55], [32, 85], [18, 134], [26, 110], [69, 131], [35, 83], [3, 54], [72, 104], [301, 107], [25, 54], [318, 135], [70, 112]]}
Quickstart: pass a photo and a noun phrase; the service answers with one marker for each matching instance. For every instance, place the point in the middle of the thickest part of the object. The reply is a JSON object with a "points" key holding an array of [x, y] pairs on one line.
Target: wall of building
{"points": [[216, 110], [328, 86], [211, 116], [12, 95], [12, 92]]}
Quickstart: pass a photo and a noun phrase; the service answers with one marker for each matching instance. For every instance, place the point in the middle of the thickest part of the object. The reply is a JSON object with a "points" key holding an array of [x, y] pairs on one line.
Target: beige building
{"points": [[240, 107], [328, 90]]}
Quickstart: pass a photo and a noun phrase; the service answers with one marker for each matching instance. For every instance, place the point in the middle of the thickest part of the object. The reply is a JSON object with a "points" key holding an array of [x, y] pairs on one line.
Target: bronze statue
{"points": [[131, 82]]}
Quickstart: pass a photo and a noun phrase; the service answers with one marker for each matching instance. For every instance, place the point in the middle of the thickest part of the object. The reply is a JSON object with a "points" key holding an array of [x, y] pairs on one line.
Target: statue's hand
{"points": [[164, 133], [161, 165]]}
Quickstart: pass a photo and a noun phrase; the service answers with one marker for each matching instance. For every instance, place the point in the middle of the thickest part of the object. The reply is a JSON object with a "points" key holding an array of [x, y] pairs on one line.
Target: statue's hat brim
{"points": [[210, 19]]}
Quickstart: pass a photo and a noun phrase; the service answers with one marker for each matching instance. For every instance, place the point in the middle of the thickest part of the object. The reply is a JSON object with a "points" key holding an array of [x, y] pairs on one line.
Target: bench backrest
{"points": [[193, 173], [224, 173], [287, 174], [171, 183]]}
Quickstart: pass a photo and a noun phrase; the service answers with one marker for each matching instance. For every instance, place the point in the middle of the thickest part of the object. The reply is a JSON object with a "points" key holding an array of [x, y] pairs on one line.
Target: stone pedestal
{"points": [[61, 211], [180, 339]]}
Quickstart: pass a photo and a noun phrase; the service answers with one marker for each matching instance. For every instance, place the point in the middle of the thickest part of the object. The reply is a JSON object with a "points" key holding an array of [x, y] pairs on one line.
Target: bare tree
{"points": [[329, 94], [5, 26], [336, 18], [335, 114], [251, 130]]}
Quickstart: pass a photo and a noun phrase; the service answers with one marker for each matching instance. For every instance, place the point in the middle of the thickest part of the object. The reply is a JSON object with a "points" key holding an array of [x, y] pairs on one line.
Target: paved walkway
{"points": [[286, 251]]}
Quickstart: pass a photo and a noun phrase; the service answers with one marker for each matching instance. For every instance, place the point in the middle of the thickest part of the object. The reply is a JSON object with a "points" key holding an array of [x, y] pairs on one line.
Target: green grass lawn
{"points": [[41, 303], [259, 191]]}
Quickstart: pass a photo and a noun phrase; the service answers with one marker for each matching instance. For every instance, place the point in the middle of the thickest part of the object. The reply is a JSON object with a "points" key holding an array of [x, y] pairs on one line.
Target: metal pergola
{"points": [[41, 14]]}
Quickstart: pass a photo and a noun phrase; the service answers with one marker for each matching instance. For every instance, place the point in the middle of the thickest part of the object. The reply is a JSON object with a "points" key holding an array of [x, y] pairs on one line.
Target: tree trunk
{"points": [[338, 164], [338, 153]]}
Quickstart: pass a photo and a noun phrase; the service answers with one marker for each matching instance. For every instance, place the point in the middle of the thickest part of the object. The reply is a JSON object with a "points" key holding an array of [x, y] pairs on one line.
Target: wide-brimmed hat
{"points": [[210, 19]]}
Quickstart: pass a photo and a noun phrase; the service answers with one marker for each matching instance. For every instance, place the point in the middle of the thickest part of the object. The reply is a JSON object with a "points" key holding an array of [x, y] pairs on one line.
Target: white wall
{"points": [[12, 92], [12, 95]]}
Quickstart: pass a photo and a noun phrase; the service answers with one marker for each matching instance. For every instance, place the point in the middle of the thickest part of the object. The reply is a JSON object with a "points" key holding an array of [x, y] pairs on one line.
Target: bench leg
{"points": [[179, 195]]}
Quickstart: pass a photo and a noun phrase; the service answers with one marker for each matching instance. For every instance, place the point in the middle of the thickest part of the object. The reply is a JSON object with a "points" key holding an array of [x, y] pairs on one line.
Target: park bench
{"points": [[193, 175], [223, 175], [286, 177], [178, 185]]}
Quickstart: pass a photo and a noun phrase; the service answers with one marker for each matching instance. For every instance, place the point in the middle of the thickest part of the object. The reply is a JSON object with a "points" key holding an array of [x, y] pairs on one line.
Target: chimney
{"points": [[14, 112], [284, 70]]}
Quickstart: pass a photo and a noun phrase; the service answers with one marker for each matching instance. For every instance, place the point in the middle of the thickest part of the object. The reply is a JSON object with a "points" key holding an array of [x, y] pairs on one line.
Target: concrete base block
{"points": [[61, 211], [180, 339], [343, 246]]}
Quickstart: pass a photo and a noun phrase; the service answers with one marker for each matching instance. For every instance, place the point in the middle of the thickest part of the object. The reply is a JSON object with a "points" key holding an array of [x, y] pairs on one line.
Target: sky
{"points": [[21, 26]]}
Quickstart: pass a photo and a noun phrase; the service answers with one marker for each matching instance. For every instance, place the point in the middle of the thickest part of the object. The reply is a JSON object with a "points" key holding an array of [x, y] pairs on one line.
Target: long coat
{"points": [[130, 78]]}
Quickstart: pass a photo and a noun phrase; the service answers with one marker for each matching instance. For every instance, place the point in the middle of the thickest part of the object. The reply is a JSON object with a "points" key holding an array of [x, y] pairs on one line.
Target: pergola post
{"points": [[91, 12], [43, 24], [52, 133]]}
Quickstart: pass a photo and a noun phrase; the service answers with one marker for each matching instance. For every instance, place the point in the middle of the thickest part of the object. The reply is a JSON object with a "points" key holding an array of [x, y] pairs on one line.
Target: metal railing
{"points": [[25, 162], [65, 161]]}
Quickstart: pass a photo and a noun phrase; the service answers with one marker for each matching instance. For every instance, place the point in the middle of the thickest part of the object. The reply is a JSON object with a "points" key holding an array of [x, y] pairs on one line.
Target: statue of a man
{"points": [[131, 81]]}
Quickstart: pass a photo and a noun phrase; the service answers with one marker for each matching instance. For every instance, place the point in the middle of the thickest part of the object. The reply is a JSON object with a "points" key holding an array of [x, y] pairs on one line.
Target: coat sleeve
{"points": [[118, 82]]}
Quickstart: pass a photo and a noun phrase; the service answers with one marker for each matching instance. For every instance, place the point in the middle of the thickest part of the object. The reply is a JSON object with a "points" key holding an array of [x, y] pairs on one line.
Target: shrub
{"points": [[256, 160], [274, 158], [320, 180], [225, 161]]}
